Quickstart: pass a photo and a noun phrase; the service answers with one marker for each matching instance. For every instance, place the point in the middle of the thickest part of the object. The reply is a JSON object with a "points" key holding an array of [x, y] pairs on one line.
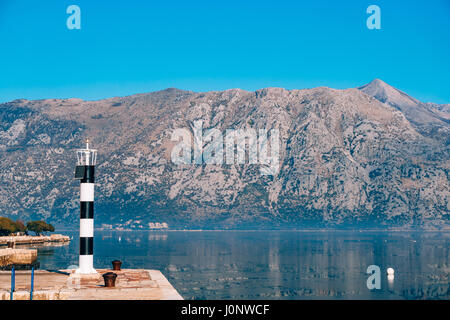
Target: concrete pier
{"points": [[34, 239], [10, 256], [131, 284]]}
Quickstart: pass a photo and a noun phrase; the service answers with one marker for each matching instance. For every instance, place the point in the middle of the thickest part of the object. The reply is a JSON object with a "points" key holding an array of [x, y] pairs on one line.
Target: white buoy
{"points": [[390, 271], [390, 279], [85, 172]]}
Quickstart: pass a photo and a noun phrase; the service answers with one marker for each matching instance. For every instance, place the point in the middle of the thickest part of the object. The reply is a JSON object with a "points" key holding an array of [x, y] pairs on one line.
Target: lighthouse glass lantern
{"points": [[87, 157], [85, 172]]}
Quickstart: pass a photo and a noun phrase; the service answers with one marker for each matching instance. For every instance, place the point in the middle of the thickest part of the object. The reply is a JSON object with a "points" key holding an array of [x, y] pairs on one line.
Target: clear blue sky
{"points": [[135, 46]]}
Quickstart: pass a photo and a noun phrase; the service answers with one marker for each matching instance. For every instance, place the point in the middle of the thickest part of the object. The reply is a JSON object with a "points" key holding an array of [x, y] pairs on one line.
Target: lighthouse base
{"points": [[86, 265], [86, 271]]}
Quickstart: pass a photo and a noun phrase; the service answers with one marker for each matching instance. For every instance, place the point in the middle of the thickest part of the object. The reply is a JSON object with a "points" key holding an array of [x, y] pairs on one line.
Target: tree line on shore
{"points": [[9, 227]]}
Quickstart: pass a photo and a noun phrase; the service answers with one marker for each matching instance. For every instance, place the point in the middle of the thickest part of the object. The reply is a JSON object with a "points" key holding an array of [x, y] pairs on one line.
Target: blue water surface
{"points": [[275, 264]]}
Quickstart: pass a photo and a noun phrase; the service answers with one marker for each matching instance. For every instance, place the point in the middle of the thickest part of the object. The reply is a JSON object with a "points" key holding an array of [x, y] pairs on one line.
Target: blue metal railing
{"points": [[32, 283], [13, 282]]}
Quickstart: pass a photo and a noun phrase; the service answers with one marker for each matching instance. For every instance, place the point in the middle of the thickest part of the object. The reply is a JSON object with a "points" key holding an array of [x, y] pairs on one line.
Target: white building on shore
{"points": [[158, 225]]}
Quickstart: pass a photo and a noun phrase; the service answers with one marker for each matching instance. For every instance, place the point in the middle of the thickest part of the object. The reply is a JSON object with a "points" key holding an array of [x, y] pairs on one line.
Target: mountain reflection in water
{"points": [[277, 264]]}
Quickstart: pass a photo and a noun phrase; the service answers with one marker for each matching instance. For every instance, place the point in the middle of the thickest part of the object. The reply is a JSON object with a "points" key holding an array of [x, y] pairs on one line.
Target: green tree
{"points": [[35, 226], [20, 226], [7, 226], [50, 228], [40, 226]]}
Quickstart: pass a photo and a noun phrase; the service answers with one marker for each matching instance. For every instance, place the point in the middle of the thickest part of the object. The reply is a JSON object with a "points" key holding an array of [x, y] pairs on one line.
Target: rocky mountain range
{"points": [[368, 156]]}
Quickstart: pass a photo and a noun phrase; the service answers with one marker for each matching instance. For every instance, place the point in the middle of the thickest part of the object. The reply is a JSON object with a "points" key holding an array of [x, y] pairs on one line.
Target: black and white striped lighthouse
{"points": [[85, 172]]}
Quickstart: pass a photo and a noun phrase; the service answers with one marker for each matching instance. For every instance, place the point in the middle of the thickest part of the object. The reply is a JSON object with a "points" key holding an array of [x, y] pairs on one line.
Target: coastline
{"points": [[406, 230], [19, 240]]}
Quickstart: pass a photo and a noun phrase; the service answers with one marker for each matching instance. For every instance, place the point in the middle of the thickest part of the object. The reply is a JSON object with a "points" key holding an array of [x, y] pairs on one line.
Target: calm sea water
{"points": [[276, 264]]}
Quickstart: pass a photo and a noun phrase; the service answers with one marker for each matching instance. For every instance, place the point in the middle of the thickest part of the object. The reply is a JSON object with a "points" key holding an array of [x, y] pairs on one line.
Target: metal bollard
{"points": [[110, 279], [116, 265]]}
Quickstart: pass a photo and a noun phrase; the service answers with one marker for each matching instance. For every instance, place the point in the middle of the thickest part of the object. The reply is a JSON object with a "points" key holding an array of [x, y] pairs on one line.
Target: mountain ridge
{"points": [[345, 157]]}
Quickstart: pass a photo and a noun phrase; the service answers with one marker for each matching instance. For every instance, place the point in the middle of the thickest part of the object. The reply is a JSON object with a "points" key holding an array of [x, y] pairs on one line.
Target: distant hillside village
{"points": [[135, 225]]}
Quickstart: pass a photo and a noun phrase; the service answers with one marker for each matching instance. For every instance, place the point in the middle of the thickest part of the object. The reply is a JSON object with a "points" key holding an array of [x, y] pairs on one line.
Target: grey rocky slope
{"points": [[346, 156], [429, 119]]}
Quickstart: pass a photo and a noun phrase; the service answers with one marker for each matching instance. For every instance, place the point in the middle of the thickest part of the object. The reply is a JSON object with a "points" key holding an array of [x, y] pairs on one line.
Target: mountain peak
{"points": [[386, 93], [377, 84], [426, 117]]}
